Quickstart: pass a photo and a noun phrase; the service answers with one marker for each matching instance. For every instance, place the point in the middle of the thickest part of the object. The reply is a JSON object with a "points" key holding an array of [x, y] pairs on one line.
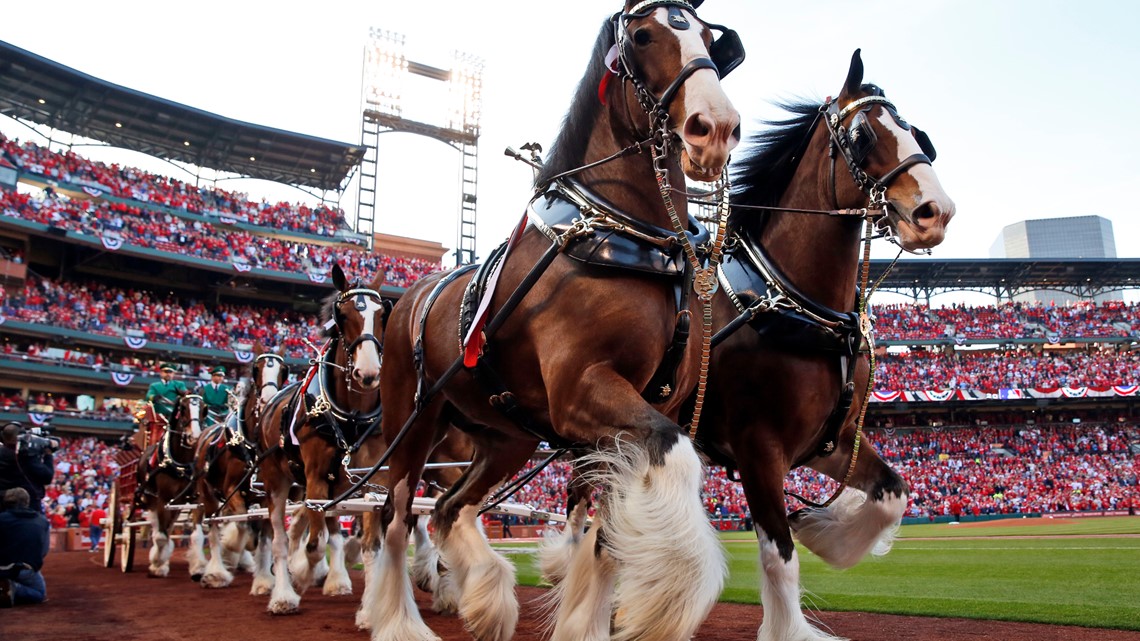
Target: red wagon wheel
{"points": [[114, 528]]}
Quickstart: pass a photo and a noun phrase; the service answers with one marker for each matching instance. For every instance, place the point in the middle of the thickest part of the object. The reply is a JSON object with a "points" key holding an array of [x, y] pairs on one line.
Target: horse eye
{"points": [[641, 37]]}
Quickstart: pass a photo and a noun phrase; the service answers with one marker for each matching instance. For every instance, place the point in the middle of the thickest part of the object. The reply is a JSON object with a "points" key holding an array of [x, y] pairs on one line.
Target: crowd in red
{"points": [[951, 472], [1007, 369], [169, 233], [138, 185], [1008, 321], [112, 311], [84, 472]]}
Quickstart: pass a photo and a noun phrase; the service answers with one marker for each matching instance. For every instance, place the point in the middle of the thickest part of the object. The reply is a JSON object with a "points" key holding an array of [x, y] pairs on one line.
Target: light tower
{"points": [[386, 70]]}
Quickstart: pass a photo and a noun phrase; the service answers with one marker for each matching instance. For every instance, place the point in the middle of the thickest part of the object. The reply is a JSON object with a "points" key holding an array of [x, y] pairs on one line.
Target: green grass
{"points": [[1076, 580]]}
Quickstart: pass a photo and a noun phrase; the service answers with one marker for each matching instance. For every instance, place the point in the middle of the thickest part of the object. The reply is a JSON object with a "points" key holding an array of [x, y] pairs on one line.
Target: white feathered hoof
{"points": [[262, 586], [353, 551], [285, 605], [489, 606], [217, 579], [158, 571], [339, 587], [445, 597]]}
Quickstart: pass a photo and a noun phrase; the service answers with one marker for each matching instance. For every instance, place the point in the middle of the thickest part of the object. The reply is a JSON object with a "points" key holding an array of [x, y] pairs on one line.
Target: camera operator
{"points": [[26, 461], [23, 546]]}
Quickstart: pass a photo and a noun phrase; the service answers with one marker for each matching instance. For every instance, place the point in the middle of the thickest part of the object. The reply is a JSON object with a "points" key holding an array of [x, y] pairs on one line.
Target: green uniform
{"points": [[165, 395], [216, 398]]}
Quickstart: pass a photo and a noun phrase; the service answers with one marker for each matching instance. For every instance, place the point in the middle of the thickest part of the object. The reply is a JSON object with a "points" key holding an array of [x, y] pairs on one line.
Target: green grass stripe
{"points": [[1078, 580]]}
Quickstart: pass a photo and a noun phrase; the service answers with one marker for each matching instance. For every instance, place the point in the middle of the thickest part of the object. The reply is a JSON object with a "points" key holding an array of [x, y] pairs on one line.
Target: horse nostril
{"points": [[697, 126], [926, 211], [736, 132]]}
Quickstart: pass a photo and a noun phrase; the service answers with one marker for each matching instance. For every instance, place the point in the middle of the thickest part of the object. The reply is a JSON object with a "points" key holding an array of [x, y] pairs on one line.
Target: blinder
{"points": [[726, 51]]}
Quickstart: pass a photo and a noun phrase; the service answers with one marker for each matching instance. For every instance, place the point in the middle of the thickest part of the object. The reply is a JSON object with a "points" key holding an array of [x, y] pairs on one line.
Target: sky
{"points": [[1030, 103]]}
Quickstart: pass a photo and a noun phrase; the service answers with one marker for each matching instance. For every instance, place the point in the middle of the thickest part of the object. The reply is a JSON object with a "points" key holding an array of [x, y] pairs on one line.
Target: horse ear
{"points": [[854, 74], [381, 276], [387, 304], [339, 279]]}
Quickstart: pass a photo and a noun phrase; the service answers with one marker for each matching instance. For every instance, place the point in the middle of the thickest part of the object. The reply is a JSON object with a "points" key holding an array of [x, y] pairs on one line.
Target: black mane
{"points": [[770, 160], [569, 148], [328, 311]]}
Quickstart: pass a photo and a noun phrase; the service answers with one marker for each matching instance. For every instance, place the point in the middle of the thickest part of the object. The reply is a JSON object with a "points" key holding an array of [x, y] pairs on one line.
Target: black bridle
{"points": [[725, 53], [360, 304], [269, 356]]}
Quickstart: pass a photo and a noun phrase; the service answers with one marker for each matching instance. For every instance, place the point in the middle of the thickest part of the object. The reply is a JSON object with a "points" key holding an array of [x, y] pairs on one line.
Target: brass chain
{"points": [[705, 283]]}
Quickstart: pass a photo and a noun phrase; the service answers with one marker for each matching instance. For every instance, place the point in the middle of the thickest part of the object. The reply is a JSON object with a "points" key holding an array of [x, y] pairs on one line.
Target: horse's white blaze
{"points": [[394, 615], [671, 566], [780, 596], [270, 372], [486, 580], [929, 188], [584, 595], [703, 93], [851, 527], [195, 416], [367, 357]]}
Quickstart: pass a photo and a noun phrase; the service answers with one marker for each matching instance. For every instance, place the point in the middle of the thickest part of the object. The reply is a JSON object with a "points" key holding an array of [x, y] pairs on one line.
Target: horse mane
{"points": [[770, 160], [328, 312], [569, 148]]}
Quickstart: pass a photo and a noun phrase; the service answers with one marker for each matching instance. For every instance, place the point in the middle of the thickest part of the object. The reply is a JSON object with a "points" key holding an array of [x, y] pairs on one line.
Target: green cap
{"points": [[168, 366], [219, 369]]}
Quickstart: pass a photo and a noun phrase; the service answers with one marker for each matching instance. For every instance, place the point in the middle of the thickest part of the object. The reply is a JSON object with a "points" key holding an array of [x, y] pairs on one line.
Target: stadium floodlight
{"points": [[466, 93], [385, 69]]}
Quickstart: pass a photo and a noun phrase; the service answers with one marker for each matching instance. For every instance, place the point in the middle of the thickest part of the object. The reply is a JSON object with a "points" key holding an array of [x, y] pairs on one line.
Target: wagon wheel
{"points": [[130, 534], [113, 529]]}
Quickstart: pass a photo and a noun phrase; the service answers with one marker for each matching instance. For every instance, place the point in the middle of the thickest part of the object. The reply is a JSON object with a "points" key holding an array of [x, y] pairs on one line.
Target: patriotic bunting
{"points": [[242, 356], [226, 220], [134, 342], [122, 378], [317, 277], [39, 419], [242, 267], [1004, 394], [111, 242], [92, 191]]}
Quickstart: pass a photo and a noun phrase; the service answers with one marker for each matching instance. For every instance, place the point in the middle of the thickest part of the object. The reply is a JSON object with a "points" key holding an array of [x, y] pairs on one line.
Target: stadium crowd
{"points": [[144, 187], [1008, 321], [961, 471], [992, 371], [168, 233]]}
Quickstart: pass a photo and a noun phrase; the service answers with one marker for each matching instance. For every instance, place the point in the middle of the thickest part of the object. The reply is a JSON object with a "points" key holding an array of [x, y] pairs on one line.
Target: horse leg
{"points": [[670, 565], [217, 574], [195, 556], [784, 620], [162, 546], [284, 599], [584, 594], [485, 580], [369, 549], [337, 583], [263, 562], [425, 562], [392, 612], [865, 517], [559, 547]]}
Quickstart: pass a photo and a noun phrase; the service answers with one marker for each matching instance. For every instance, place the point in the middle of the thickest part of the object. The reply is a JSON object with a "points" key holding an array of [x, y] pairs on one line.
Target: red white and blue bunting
{"points": [[242, 356], [122, 378], [242, 267], [39, 419], [317, 277], [134, 342], [111, 242], [94, 192], [941, 396]]}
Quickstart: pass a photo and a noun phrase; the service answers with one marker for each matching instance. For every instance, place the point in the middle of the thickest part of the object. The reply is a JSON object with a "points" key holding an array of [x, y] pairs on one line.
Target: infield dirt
{"points": [[87, 602]]}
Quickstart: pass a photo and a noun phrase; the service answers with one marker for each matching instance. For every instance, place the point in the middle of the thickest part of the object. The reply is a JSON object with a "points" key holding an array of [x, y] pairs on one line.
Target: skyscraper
{"points": [[1069, 237]]}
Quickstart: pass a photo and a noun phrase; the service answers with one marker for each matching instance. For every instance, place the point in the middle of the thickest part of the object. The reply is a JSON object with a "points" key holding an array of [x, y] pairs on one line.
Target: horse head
{"points": [[669, 59], [188, 417], [357, 315], [890, 161], [269, 375]]}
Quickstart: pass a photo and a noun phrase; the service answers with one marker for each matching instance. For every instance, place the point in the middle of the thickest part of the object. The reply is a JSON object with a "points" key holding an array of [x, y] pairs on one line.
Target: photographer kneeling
{"points": [[23, 546], [26, 461]]}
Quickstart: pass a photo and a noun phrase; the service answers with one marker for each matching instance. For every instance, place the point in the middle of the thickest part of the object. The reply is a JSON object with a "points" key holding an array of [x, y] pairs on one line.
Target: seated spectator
{"points": [[23, 546]]}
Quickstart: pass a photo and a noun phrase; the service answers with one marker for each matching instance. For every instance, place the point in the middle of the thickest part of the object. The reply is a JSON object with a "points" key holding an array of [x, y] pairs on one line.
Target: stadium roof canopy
{"points": [[33, 88], [1084, 276]]}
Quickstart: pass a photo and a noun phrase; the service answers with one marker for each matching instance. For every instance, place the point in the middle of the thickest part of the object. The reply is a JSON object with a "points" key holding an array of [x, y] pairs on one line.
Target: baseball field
{"points": [[1082, 572]]}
